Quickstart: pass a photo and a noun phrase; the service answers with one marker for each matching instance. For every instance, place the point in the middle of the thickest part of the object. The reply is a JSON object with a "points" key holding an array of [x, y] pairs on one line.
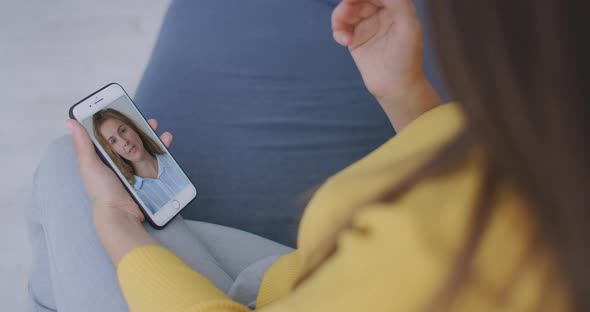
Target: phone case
{"points": [[105, 161]]}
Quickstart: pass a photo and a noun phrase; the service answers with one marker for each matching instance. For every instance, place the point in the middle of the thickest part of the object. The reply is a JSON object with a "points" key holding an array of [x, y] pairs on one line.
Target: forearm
{"points": [[120, 234], [402, 109]]}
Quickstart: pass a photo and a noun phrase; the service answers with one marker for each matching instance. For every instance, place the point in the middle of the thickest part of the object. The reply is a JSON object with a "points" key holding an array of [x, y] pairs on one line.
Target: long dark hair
{"points": [[517, 70]]}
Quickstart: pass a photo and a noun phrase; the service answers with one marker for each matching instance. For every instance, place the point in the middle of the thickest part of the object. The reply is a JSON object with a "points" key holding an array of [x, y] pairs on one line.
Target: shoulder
{"points": [[368, 178], [426, 230], [415, 238]]}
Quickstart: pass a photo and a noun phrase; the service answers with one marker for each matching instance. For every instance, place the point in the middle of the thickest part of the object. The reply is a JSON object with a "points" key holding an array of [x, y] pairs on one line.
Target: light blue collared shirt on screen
{"points": [[157, 192]]}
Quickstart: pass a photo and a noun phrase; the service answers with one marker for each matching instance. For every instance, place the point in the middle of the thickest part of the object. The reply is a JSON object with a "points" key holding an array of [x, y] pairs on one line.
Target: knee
{"points": [[59, 146]]}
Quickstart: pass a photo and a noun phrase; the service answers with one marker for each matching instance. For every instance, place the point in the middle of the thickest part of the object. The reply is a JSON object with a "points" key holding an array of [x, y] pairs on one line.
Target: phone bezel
{"points": [[99, 100]]}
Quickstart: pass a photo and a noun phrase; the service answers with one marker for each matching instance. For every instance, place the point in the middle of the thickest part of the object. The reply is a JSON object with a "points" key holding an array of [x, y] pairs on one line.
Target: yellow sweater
{"points": [[395, 257]]}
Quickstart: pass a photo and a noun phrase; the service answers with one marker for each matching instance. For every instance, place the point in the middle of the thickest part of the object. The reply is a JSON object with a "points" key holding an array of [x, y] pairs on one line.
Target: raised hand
{"points": [[385, 39]]}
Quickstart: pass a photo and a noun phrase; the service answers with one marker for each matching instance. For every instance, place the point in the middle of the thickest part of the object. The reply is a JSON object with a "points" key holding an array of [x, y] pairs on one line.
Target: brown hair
{"points": [[517, 70], [123, 164]]}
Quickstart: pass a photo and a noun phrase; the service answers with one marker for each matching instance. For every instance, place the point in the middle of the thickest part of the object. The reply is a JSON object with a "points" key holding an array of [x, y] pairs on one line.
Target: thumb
{"points": [[85, 151]]}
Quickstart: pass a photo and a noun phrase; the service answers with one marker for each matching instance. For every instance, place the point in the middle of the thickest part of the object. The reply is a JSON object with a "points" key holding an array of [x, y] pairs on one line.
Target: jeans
{"points": [[72, 272]]}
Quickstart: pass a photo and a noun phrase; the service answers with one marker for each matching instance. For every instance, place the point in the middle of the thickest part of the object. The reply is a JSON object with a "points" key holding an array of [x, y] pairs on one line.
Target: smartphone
{"points": [[129, 146]]}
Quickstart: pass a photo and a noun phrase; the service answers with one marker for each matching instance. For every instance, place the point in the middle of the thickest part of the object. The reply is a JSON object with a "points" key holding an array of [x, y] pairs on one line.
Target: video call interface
{"points": [[141, 159]]}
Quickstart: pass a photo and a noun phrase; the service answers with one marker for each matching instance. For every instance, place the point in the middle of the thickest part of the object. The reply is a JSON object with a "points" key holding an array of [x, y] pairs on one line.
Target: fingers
{"points": [[153, 123], [343, 18], [85, 152], [167, 138], [347, 15]]}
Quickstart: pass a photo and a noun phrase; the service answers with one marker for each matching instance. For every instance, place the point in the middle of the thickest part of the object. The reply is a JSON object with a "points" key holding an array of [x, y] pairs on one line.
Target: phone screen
{"points": [[138, 156]]}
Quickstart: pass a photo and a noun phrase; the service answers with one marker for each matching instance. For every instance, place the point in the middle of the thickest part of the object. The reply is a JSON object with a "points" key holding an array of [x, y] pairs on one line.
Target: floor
{"points": [[53, 53]]}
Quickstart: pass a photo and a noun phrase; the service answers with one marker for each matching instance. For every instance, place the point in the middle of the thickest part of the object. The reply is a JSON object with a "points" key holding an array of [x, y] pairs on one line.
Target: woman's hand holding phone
{"points": [[117, 219], [385, 40]]}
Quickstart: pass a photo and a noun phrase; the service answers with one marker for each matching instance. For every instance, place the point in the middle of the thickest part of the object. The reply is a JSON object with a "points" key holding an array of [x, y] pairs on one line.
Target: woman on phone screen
{"points": [[145, 165]]}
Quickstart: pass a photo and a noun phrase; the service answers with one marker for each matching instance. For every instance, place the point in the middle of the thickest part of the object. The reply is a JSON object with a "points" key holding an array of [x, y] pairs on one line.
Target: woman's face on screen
{"points": [[123, 140]]}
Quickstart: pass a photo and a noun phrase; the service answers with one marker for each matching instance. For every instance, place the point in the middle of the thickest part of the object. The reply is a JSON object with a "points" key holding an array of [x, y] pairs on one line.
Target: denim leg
{"points": [[71, 271]]}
